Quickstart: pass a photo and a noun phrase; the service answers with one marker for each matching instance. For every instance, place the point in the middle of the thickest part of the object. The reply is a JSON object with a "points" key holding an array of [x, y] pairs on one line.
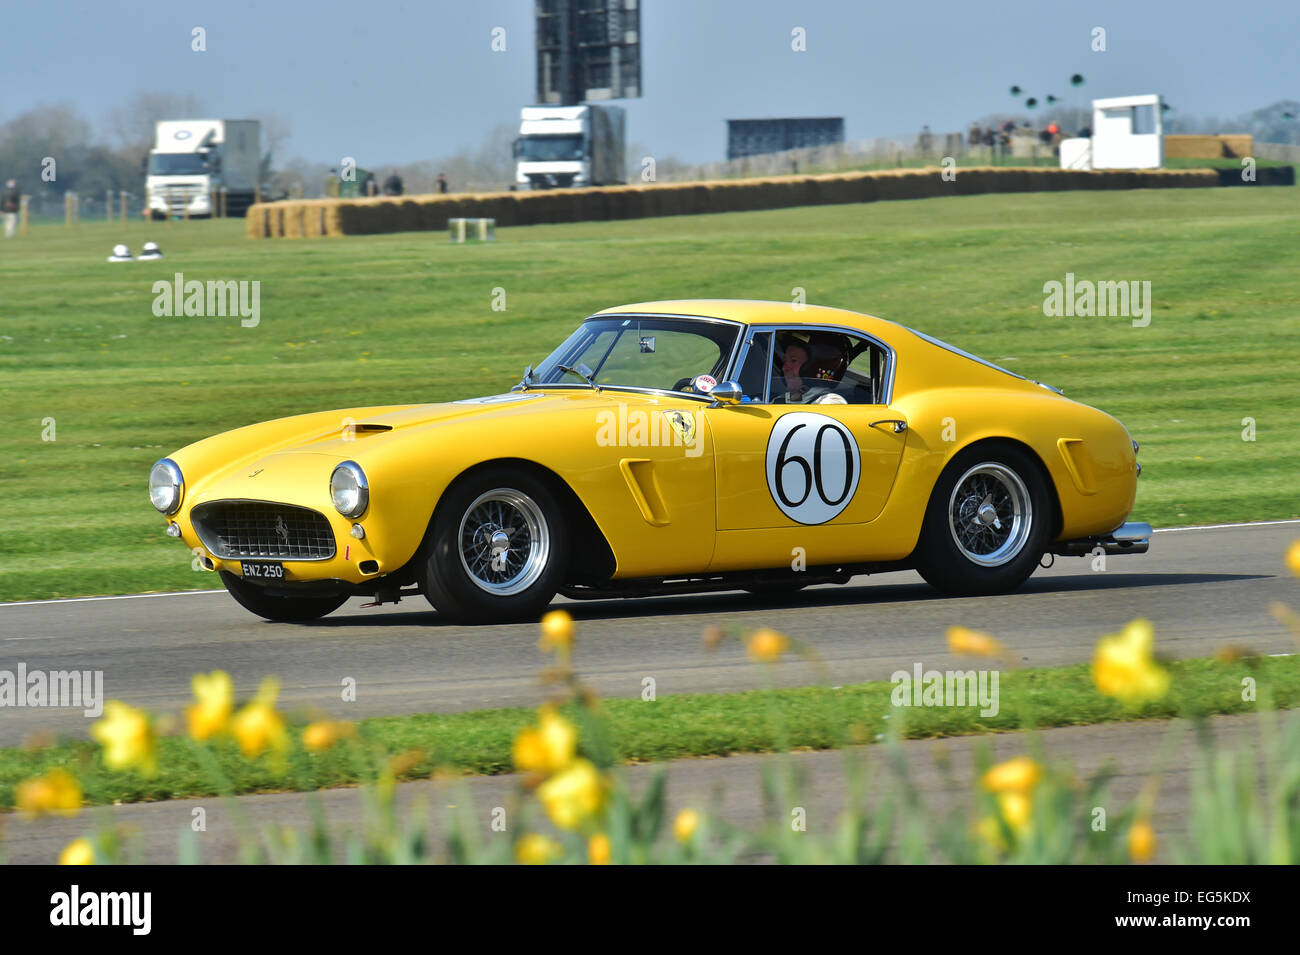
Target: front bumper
{"points": [[1133, 537], [354, 560]]}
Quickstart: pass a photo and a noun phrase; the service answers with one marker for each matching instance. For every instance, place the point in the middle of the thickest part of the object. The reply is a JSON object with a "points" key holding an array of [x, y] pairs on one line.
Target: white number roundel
{"points": [[812, 467]]}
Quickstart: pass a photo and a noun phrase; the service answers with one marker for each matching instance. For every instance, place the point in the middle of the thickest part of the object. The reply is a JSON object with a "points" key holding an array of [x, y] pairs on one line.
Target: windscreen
{"points": [[550, 148], [662, 354], [176, 164]]}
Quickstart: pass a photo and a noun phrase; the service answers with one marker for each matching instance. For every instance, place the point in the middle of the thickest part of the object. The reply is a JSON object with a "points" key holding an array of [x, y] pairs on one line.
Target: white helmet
{"points": [[150, 247], [121, 251]]}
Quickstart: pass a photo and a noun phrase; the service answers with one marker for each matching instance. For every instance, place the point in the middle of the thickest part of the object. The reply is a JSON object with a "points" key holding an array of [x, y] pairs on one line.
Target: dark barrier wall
{"points": [[313, 218], [1264, 176]]}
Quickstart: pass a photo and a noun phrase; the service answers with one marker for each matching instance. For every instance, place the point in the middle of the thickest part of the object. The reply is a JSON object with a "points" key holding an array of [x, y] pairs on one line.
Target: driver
{"points": [[810, 373]]}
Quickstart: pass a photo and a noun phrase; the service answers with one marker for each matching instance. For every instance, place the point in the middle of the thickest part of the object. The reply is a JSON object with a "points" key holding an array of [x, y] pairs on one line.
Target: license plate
{"points": [[262, 571]]}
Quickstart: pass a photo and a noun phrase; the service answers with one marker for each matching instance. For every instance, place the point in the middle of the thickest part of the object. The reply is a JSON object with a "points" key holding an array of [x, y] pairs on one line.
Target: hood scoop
{"points": [[370, 428]]}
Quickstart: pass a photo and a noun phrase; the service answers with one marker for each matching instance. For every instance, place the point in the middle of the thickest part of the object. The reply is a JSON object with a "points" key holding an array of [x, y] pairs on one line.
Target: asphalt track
{"points": [[1201, 587]]}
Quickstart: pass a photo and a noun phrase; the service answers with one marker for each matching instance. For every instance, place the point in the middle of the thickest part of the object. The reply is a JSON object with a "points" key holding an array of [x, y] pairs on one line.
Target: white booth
{"points": [[1126, 134]]}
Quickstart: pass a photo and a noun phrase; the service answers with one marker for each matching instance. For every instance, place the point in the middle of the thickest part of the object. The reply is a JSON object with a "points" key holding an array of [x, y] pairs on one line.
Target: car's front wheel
{"points": [[987, 523], [281, 609], [498, 549]]}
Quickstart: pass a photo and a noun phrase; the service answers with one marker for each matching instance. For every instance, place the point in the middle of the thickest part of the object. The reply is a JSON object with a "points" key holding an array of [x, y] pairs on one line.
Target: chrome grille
{"points": [[258, 529]]}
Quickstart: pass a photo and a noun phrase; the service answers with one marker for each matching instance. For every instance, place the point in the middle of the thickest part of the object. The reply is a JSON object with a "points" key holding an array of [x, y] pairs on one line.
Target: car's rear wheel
{"points": [[281, 609], [499, 548], [987, 522]]}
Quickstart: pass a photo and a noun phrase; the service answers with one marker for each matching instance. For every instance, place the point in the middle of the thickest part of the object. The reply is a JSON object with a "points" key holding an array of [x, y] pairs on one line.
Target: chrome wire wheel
{"points": [[990, 514], [504, 541]]}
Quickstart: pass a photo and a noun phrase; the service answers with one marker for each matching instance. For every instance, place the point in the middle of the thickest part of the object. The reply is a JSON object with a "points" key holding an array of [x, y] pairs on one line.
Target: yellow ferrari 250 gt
{"points": [[665, 447]]}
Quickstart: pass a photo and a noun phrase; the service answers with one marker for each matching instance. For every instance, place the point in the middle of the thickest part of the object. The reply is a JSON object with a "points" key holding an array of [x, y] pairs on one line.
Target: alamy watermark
{"points": [[649, 428], [1085, 298], [53, 688], [211, 299], [924, 687]]}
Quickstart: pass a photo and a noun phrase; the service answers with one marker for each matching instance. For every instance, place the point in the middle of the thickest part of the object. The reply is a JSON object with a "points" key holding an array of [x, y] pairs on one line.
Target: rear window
{"points": [[964, 354]]}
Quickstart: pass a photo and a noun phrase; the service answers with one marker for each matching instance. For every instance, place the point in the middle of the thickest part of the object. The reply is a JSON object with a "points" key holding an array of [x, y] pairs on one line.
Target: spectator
{"points": [[370, 185], [976, 135], [442, 183], [10, 203], [925, 141], [393, 185]]}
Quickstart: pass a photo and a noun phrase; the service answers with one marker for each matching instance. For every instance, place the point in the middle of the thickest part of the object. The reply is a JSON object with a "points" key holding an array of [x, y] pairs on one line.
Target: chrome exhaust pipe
{"points": [[1133, 537]]}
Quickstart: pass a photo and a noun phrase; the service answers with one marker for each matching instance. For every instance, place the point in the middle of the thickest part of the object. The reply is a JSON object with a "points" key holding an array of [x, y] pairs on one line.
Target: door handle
{"points": [[899, 424]]}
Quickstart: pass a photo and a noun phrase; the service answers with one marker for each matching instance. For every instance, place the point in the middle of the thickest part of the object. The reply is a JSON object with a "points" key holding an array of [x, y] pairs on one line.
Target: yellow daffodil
{"points": [[1019, 775], [536, 849], [557, 633], [973, 643], [550, 747], [1141, 841], [990, 831], [598, 849], [128, 738], [684, 826], [1293, 558], [77, 852], [1123, 666], [1013, 783], [573, 794], [766, 646], [215, 696], [1017, 809], [323, 734], [258, 727], [56, 791]]}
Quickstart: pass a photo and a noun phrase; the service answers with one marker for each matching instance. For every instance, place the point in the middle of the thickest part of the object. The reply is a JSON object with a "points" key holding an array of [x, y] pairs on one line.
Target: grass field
{"points": [[408, 317]]}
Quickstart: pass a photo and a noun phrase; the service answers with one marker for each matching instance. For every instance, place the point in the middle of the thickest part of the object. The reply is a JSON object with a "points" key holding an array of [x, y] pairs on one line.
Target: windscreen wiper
{"points": [[583, 372]]}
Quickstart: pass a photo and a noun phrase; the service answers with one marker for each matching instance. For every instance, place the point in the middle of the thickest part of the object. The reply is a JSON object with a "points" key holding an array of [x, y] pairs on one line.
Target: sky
{"points": [[398, 82]]}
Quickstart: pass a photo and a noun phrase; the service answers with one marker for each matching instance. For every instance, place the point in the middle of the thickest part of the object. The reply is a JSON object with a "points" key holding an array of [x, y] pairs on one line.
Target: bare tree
{"points": [[132, 125], [275, 133]]}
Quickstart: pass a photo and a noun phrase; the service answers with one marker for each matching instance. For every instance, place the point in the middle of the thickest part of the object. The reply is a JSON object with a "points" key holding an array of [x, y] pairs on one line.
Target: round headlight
{"points": [[349, 490], [166, 486]]}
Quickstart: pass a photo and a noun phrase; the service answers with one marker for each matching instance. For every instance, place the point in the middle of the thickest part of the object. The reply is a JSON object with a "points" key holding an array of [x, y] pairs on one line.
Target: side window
{"points": [[753, 373], [865, 376], [814, 366]]}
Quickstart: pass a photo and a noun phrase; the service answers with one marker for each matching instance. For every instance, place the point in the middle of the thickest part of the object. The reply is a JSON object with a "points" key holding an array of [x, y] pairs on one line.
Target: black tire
{"points": [[460, 576], [951, 553], [280, 609]]}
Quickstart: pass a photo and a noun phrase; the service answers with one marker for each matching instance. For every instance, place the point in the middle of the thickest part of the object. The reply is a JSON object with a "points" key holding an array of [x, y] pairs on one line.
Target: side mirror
{"points": [[726, 393]]}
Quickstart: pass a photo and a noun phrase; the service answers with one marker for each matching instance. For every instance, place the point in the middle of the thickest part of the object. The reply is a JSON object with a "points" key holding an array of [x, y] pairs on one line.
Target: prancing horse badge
{"points": [[682, 422]]}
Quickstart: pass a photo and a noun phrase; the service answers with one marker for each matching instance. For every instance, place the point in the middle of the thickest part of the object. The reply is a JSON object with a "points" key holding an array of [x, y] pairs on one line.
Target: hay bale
{"points": [[331, 217], [275, 220], [618, 199], [255, 221], [1223, 146]]}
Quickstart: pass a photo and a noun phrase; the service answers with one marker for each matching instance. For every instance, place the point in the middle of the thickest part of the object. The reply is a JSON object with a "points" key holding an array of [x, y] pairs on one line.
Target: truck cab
{"points": [[563, 147], [193, 159]]}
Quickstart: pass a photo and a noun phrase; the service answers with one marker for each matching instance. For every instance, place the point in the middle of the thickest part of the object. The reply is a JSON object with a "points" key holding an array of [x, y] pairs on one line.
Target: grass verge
{"points": [[96, 387], [703, 725]]}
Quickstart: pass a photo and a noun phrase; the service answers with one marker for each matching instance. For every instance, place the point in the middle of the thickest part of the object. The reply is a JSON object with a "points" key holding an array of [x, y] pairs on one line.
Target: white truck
{"points": [[193, 158], [562, 147]]}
